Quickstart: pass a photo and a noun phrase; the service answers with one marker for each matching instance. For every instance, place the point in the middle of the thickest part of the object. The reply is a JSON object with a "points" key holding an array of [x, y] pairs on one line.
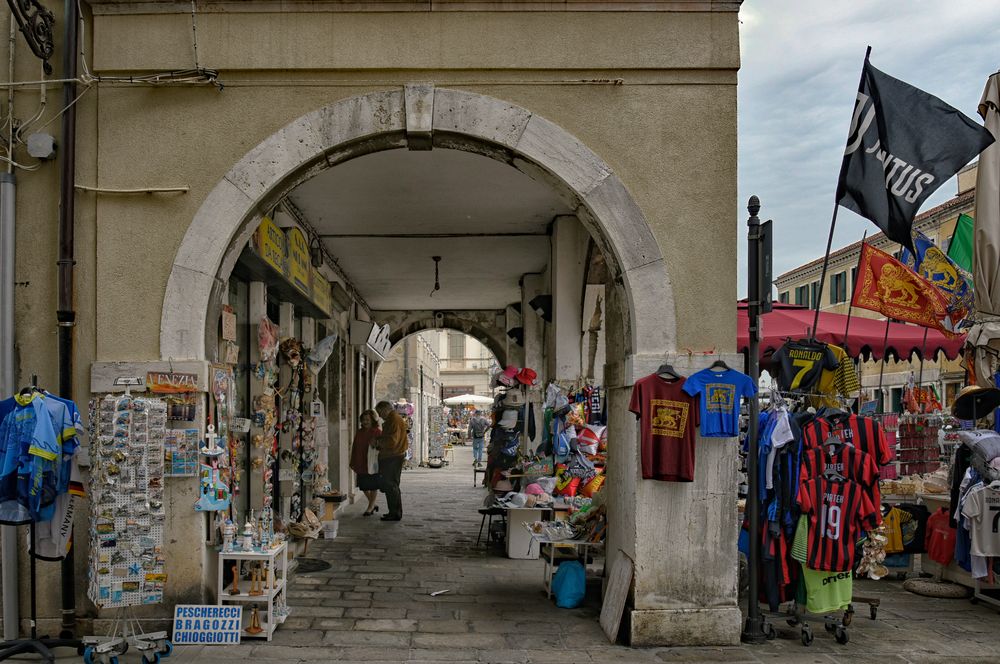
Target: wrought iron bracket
{"points": [[35, 23]]}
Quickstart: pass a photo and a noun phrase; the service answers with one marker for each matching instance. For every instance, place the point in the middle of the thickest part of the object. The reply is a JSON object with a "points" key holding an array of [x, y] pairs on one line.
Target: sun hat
{"points": [[534, 489], [527, 376]]}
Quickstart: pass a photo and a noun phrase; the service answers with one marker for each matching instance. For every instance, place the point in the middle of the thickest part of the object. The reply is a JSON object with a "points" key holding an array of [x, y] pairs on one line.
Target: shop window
{"points": [[951, 391], [897, 400]]}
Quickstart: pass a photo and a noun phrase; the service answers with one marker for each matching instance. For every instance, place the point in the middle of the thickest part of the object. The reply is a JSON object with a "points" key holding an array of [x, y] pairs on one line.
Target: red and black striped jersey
{"points": [[863, 433], [850, 462], [838, 511]]}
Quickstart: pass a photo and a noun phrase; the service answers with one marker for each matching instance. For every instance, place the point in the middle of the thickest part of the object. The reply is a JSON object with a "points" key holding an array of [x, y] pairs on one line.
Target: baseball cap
{"points": [[527, 376]]}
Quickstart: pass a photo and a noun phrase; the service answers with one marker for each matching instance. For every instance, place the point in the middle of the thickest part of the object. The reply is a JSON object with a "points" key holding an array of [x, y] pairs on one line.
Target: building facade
{"points": [[339, 169], [801, 286]]}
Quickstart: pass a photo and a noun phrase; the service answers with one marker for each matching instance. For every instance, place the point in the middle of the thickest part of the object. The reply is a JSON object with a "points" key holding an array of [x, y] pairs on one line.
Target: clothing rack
{"points": [[43, 645]]}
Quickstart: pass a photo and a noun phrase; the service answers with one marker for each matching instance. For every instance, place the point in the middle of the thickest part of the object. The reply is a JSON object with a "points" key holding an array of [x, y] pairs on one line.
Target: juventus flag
{"points": [[903, 144]]}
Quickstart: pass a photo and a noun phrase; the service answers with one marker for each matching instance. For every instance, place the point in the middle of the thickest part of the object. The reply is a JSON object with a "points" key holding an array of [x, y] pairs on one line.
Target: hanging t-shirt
{"points": [[843, 380], [863, 433], [798, 365], [838, 513], [850, 462], [667, 419], [827, 592], [982, 509], [721, 392], [894, 530]]}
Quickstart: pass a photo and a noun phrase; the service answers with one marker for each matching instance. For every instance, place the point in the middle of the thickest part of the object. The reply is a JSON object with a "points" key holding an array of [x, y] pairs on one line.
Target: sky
{"points": [[801, 63]]}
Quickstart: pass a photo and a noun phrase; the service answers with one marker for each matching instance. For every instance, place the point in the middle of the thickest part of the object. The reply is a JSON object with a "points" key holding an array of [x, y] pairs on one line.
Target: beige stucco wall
{"points": [[671, 121]]}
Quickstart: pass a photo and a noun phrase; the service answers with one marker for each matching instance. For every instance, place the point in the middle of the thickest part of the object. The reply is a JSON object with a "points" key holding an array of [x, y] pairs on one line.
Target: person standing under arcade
{"points": [[392, 446]]}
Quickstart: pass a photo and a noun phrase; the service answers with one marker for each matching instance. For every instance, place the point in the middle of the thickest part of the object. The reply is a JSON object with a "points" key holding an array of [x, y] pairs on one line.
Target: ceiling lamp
{"points": [[316, 252], [542, 304], [437, 280]]}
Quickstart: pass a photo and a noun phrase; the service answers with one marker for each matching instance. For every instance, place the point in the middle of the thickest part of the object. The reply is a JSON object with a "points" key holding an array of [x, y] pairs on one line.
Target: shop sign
{"points": [[167, 382], [270, 241], [207, 625], [371, 335], [299, 267], [228, 324], [322, 293]]}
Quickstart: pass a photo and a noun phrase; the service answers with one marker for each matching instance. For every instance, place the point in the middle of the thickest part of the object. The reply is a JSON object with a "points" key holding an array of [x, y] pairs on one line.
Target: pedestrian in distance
{"points": [[392, 445], [478, 426], [364, 459]]}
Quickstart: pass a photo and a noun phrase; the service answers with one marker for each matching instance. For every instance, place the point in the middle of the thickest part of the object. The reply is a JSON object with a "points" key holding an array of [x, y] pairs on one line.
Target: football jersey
{"points": [[843, 380], [850, 462], [982, 509], [863, 433], [838, 513], [798, 365]]}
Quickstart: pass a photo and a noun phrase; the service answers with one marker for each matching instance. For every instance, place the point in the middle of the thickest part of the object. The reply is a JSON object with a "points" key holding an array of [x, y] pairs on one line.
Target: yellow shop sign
{"points": [[299, 267], [322, 294], [270, 241]]}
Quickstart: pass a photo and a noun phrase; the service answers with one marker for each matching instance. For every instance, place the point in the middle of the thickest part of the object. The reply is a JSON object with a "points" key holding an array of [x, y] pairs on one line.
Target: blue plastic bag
{"points": [[569, 584]]}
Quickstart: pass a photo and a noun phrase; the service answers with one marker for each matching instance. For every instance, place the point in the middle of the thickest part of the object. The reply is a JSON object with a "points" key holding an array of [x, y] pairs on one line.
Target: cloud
{"points": [[800, 70]]}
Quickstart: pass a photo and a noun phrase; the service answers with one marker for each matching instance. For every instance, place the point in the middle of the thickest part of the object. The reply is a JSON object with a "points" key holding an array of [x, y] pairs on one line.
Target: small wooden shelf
{"points": [[277, 559]]}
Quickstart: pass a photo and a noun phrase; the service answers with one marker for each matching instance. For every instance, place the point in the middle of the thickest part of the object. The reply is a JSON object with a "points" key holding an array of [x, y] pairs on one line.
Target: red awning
{"points": [[866, 334]]}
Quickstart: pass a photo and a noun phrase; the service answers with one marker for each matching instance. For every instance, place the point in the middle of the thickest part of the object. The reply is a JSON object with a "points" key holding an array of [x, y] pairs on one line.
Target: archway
{"points": [[418, 116], [643, 324]]}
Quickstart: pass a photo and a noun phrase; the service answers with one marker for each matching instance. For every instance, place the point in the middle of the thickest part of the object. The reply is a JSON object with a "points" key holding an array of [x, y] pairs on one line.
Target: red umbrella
{"points": [[788, 321]]}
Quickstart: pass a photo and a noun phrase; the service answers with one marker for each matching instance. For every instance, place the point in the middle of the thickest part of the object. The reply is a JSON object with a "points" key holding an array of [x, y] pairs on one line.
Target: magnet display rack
{"points": [[127, 516]]}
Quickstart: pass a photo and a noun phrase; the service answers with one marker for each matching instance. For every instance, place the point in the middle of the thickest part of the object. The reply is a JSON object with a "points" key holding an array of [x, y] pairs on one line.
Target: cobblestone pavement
{"points": [[374, 604]]}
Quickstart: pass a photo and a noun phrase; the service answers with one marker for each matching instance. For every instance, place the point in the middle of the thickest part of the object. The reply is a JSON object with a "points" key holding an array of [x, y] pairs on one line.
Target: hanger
{"points": [[667, 369], [832, 444], [719, 363], [831, 474]]}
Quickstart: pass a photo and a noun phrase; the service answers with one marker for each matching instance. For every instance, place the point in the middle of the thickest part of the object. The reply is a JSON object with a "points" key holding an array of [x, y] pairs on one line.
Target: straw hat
{"points": [[975, 401]]}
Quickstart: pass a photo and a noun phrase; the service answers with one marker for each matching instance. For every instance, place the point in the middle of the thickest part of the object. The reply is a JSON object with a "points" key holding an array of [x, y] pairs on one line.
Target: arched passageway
{"points": [[533, 208]]}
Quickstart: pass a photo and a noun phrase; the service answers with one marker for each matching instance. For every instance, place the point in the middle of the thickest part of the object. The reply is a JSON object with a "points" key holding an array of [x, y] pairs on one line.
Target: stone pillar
{"points": [[533, 285], [569, 255]]}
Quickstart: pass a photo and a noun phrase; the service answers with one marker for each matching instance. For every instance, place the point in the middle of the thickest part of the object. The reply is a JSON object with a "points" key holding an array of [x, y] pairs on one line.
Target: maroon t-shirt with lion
{"points": [[668, 423]]}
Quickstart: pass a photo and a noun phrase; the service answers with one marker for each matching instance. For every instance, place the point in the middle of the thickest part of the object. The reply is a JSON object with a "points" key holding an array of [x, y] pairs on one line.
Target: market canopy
{"points": [[789, 321], [469, 399]]}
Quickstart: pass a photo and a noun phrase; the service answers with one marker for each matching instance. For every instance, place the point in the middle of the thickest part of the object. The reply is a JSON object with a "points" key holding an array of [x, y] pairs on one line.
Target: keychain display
{"points": [[127, 510]]}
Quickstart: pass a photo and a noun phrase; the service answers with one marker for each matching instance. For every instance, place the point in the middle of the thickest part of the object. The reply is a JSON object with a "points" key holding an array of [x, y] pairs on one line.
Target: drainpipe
{"points": [[65, 314], [8, 534]]}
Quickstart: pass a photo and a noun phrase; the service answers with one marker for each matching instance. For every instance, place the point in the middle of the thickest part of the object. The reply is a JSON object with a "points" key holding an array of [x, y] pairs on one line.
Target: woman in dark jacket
{"points": [[368, 483]]}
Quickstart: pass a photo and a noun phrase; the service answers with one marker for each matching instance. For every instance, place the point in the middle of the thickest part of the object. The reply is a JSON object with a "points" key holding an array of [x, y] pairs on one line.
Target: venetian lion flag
{"points": [[889, 287], [936, 267], [903, 144]]}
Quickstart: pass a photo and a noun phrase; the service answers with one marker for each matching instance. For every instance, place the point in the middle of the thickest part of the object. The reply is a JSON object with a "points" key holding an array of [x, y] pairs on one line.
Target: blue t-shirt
{"points": [[721, 392]]}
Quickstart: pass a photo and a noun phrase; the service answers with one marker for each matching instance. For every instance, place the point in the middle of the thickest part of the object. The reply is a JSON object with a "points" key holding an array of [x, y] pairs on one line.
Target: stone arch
{"points": [[477, 324], [419, 117]]}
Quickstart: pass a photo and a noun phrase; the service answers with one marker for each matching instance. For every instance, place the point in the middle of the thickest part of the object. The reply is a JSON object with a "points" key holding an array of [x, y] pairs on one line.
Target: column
{"points": [[569, 255]]}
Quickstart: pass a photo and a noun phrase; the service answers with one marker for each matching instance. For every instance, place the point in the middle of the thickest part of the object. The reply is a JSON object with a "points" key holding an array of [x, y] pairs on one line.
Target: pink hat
{"points": [[508, 376], [534, 490]]}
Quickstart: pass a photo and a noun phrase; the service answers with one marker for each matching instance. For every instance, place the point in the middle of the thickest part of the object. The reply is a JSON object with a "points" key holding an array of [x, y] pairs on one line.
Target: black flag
{"points": [[903, 144]]}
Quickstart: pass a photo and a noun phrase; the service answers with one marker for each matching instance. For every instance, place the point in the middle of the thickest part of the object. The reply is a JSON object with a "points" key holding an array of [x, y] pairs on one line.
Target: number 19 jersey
{"points": [[838, 511]]}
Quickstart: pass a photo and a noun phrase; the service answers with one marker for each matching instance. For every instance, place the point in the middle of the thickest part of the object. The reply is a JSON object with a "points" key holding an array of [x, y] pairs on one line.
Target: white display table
{"points": [[273, 592]]}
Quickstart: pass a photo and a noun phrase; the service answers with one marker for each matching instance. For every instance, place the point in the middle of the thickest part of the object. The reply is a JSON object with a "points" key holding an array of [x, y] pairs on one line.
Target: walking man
{"points": [[478, 426], [392, 446]]}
